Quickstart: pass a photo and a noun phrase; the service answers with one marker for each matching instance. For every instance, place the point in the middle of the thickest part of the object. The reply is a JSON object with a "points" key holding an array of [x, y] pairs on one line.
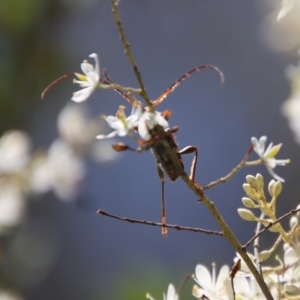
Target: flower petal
{"points": [[87, 68], [203, 277], [97, 63], [83, 94], [144, 130], [161, 120], [171, 295], [110, 135], [273, 174], [224, 272]]}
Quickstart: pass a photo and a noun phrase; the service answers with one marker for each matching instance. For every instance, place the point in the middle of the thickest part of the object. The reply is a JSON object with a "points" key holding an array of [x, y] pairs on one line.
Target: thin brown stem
{"points": [[232, 173], [129, 54], [184, 282], [177, 227]]}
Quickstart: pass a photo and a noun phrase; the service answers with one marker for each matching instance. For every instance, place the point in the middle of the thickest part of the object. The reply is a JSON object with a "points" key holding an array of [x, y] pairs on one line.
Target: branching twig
{"points": [[235, 268], [227, 233], [256, 245], [128, 52], [232, 173], [186, 279], [114, 85], [177, 227], [292, 212]]}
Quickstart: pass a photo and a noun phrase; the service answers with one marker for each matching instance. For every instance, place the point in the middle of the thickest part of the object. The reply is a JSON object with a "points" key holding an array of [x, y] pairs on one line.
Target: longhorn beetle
{"points": [[162, 141], [163, 144]]}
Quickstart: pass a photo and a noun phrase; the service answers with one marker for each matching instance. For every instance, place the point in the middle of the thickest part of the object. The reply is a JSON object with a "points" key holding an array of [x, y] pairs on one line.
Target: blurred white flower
{"points": [[121, 123], [282, 36], [89, 81], [12, 204], [291, 107], [292, 273], [171, 294], [247, 288], [147, 121], [101, 151], [210, 286], [286, 6], [8, 295], [66, 170], [14, 151], [75, 126], [268, 155], [244, 268], [40, 178]]}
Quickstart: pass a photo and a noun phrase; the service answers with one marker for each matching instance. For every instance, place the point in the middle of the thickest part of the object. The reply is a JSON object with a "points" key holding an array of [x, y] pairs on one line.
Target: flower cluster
{"points": [[283, 280], [256, 198], [24, 173], [141, 120]]}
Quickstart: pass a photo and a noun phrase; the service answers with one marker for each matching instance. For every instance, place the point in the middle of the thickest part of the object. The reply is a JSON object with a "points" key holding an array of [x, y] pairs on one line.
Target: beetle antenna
{"points": [[49, 87], [165, 94]]}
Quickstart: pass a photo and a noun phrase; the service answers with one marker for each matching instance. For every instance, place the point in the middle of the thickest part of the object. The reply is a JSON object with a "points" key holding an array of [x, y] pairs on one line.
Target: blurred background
{"points": [[54, 175]]}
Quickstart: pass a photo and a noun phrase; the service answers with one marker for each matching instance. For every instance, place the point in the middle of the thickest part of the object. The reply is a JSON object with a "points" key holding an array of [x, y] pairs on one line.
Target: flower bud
{"points": [[277, 188], [252, 181], [293, 221], [246, 214], [250, 192], [270, 187], [248, 202], [264, 255], [291, 288], [260, 181]]}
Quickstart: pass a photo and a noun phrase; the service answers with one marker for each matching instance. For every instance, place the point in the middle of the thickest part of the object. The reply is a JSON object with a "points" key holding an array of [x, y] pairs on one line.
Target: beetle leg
{"points": [[188, 150], [161, 176]]}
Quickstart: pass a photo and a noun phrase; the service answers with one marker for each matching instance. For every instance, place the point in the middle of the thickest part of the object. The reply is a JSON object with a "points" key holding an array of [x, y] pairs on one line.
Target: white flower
{"points": [[147, 121], [247, 288], [291, 261], [75, 126], [210, 287], [66, 170], [14, 151], [89, 81], [268, 155], [121, 124], [12, 204], [171, 295]]}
